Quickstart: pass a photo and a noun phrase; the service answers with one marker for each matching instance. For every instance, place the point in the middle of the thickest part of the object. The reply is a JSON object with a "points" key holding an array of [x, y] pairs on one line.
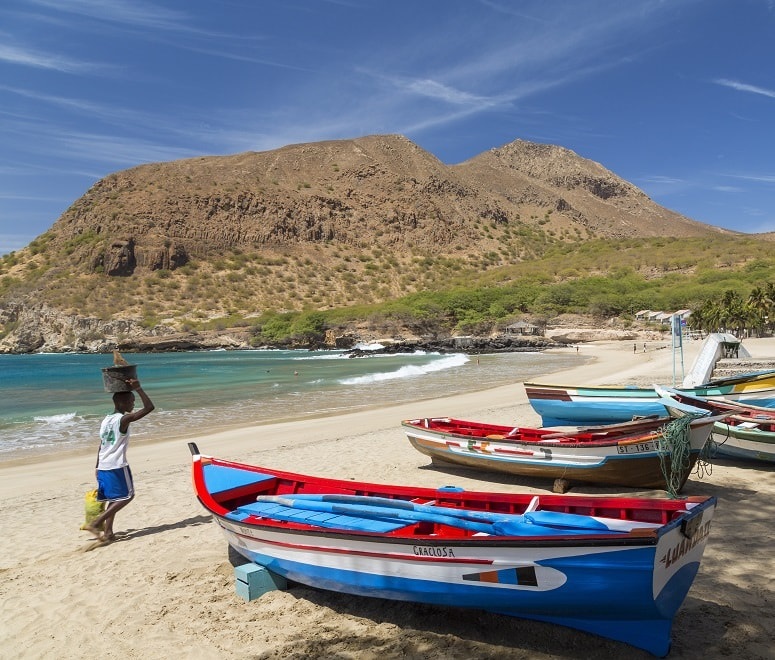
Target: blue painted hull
{"points": [[560, 405], [593, 413], [614, 589]]}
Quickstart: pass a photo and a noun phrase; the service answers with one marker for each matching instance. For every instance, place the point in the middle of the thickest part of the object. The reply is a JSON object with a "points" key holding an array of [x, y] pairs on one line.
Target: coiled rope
{"points": [[674, 445]]}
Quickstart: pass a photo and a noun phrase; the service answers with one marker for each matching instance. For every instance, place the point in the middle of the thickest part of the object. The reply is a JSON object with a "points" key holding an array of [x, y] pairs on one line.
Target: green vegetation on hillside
{"points": [[734, 293], [298, 294]]}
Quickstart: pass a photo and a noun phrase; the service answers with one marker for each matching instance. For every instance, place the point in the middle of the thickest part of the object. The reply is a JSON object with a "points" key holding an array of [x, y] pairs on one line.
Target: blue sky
{"points": [[676, 96]]}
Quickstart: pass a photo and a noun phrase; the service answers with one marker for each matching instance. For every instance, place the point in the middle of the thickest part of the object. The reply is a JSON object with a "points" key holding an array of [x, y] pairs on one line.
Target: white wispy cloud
{"points": [[511, 10], [44, 129], [758, 178], [136, 13], [119, 151], [79, 105], [30, 57], [763, 226], [663, 180], [745, 87], [569, 45], [507, 68], [30, 197], [436, 90]]}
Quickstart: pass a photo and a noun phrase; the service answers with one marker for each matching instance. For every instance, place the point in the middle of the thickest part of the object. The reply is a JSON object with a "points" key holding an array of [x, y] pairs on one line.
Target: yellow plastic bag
{"points": [[92, 507]]}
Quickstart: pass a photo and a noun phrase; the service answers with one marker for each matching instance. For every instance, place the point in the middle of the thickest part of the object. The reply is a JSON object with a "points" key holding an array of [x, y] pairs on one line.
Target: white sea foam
{"points": [[336, 355], [409, 371], [57, 420]]}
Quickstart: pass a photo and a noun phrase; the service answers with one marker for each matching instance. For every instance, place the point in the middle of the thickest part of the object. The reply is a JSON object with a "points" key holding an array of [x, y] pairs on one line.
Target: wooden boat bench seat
{"points": [[318, 518]]}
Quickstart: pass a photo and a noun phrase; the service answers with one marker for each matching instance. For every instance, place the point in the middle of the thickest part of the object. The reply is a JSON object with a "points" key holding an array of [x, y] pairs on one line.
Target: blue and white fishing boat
{"points": [[744, 431], [571, 405], [615, 567]]}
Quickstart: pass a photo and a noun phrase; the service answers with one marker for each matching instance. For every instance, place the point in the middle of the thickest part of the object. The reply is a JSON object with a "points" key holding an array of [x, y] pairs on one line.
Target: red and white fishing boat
{"points": [[634, 454]]}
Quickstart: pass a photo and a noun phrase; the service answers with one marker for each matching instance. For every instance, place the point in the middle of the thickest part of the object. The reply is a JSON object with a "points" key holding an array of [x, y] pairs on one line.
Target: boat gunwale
{"points": [[636, 537], [556, 438]]}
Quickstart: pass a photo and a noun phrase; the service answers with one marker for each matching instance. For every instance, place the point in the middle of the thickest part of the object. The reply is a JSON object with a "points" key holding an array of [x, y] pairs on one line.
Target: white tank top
{"points": [[113, 443]]}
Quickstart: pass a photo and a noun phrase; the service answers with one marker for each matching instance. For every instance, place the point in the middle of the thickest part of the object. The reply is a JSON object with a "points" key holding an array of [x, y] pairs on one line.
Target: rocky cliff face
{"points": [[45, 329]]}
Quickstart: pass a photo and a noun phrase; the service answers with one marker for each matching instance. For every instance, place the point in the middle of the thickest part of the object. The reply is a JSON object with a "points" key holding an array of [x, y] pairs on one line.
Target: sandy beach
{"points": [[165, 588]]}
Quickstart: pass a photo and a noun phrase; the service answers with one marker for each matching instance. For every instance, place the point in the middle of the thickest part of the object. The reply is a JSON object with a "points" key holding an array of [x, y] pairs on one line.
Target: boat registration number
{"points": [[637, 448]]}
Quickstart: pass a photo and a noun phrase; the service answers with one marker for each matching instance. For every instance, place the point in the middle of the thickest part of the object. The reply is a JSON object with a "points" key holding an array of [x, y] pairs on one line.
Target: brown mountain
{"points": [[316, 225], [374, 191]]}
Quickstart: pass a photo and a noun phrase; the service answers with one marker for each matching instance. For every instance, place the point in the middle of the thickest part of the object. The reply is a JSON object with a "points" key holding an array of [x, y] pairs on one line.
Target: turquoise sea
{"points": [[54, 402]]}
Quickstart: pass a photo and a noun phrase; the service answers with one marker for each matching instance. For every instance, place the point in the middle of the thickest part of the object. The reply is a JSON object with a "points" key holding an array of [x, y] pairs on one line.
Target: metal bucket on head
{"points": [[114, 378]]}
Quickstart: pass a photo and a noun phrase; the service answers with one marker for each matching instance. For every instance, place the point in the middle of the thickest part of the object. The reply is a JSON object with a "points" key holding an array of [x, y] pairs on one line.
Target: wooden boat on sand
{"points": [[573, 405], [615, 567], [746, 431], [657, 452]]}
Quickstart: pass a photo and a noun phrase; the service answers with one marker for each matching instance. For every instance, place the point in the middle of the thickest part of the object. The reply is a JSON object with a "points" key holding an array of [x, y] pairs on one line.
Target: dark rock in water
{"points": [[468, 345]]}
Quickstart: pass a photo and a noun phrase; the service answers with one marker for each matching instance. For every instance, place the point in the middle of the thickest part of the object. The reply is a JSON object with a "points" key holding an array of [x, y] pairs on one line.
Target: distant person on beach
{"points": [[114, 478]]}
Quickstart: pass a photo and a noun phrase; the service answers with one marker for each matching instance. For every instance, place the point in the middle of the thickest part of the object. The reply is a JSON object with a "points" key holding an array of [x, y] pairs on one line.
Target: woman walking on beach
{"points": [[114, 478]]}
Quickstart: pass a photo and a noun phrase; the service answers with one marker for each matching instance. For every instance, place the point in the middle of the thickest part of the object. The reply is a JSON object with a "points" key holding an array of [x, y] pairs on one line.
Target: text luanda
{"points": [[680, 549]]}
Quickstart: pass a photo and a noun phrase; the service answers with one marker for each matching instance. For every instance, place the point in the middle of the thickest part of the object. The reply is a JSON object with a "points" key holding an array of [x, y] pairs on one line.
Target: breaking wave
{"points": [[408, 371]]}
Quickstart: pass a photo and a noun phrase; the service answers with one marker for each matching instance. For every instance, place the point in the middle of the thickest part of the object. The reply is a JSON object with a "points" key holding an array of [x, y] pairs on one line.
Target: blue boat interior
{"points": [[220, 479], [244, 493], [318, 518]]}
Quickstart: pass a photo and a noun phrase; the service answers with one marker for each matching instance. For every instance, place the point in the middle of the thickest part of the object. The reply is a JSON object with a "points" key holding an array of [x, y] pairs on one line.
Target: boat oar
{"points": [[546, 518], [379, 512], [389, 503], [529, 524], [567, 521]]}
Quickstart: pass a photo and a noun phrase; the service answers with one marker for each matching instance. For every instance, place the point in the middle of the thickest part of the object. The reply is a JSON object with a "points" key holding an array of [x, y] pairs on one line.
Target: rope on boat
{"points": [[708, 451], [674, 443], [712, 445]]}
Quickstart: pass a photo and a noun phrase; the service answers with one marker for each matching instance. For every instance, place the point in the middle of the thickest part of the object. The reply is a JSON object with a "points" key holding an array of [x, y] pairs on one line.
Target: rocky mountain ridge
{"points": [[377, 190], [149, 250]]}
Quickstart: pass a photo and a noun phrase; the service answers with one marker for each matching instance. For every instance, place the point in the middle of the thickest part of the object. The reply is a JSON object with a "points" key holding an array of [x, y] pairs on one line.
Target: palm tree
{"points": [[759, 306], [698, 320]]}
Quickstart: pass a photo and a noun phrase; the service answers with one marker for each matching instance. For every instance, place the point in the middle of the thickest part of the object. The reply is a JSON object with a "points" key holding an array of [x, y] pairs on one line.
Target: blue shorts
{"points": [[115, 485]]}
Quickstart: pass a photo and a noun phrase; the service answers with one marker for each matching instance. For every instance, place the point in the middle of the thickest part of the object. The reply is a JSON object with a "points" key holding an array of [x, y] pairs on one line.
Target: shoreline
{"points": [[243, 389], [165, 588]]}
